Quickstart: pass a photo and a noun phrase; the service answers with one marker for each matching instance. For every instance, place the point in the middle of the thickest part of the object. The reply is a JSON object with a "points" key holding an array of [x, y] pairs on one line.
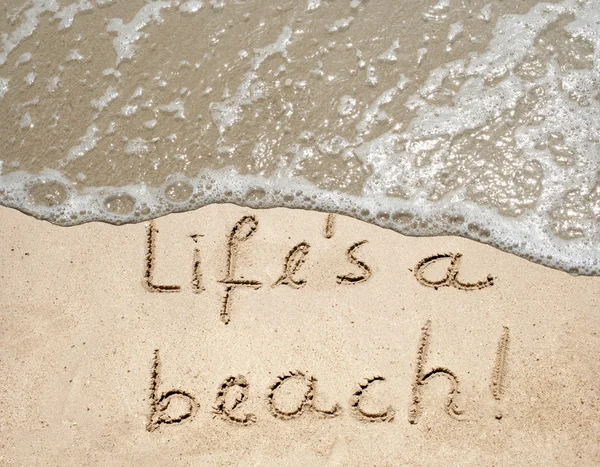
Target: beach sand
{"points": [[222, 347]]}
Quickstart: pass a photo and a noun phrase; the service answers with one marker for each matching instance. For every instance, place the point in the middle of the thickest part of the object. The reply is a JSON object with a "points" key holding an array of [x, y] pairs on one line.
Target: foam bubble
{"points": [[48, 193], [255, 194], [120, 203], [402, 217], [179, 191]]}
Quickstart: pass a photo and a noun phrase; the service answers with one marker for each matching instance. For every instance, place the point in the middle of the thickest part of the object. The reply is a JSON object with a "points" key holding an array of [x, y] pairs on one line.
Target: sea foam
{"points": [[433, 119]]}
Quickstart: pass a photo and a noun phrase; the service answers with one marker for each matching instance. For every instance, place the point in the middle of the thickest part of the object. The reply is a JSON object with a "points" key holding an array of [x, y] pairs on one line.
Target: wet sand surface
{"points": [[477, 119]]}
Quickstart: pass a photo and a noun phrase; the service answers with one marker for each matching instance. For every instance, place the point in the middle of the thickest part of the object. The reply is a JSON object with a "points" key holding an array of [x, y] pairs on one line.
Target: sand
{"points": [[272, 344]]}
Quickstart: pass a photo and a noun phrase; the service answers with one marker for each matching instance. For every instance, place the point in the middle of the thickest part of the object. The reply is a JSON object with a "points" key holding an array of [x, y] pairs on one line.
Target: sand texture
{"points": [[228, 336]]}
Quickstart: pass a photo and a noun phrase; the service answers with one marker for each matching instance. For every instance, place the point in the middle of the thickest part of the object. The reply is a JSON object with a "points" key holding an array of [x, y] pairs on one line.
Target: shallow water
{"points": [[464, 117]]}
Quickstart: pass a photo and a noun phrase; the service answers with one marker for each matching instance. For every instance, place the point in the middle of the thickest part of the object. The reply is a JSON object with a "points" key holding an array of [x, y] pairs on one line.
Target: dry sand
{"points": [[98, 355]]}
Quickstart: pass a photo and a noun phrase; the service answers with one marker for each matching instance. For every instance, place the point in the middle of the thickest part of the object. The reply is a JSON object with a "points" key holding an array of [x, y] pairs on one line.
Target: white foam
{"points": [[74, 55], [486, 12], [191, 6], [217, 4], [525, 180], [136, 146], [129, 33], [226, 185], [227, 112], [390, 54], [109, 95], [438, 12], [24, 58], [340, 25], [421, 53], [67, 13], [371, 75], [277, 47], [129, 110], [30, 78], [347, 106], [87, 143], [374, 113], [111, 71], [52, 83], [3, 86], [26, 121], [456, 30], [175, 108], [313, 4], [27, 27]]}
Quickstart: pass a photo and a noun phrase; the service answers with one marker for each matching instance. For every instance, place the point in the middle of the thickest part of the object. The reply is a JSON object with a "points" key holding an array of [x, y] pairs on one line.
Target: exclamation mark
{"points": [[499, 372]]}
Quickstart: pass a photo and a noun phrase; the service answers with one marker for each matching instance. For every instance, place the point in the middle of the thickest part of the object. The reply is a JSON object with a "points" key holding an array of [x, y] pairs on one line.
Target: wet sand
{"points": [[475, 119]]}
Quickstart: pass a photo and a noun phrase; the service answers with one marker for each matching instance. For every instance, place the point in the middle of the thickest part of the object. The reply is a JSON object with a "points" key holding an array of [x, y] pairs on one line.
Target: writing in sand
{"points": [[247, 226], [293, 394]]}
